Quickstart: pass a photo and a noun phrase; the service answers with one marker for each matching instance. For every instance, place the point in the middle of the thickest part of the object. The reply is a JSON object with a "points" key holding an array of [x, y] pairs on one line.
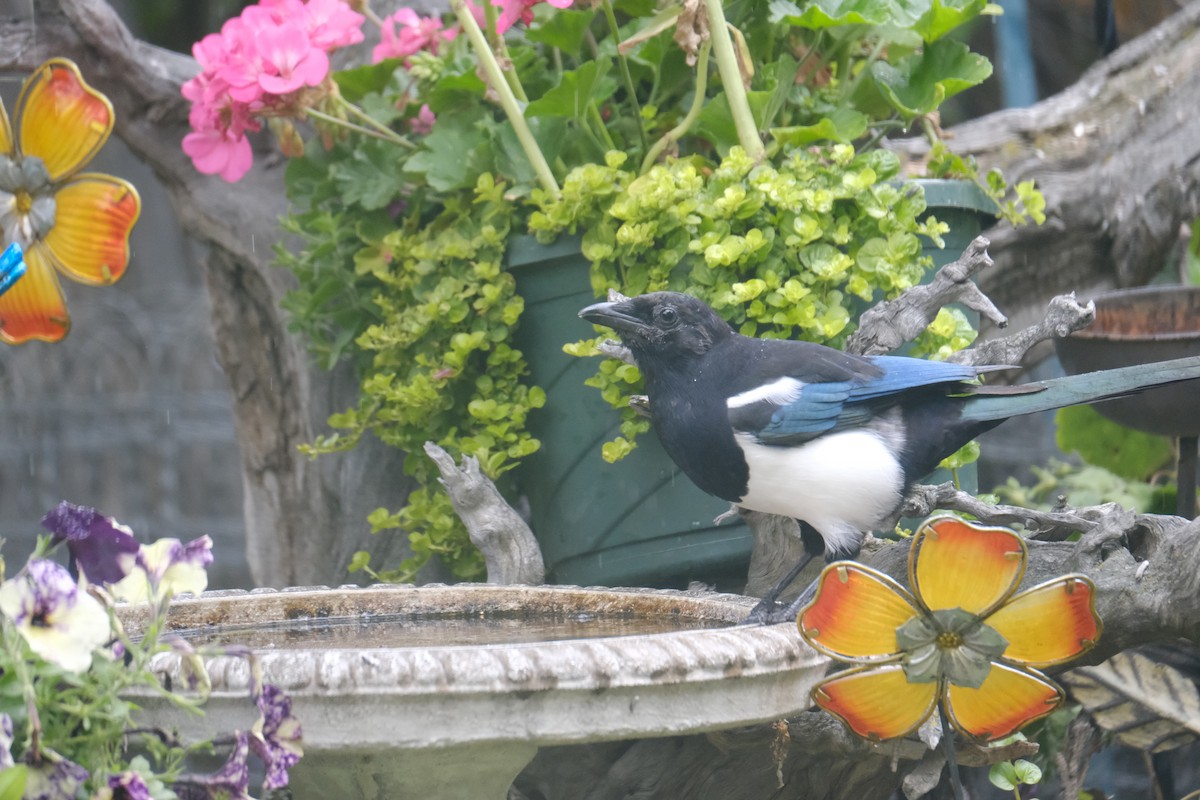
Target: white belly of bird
{"points": [[843, 479]]}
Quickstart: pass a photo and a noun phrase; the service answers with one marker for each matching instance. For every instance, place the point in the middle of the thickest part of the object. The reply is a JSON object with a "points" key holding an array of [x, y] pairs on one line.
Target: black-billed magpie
{"points": [[831, 439]]}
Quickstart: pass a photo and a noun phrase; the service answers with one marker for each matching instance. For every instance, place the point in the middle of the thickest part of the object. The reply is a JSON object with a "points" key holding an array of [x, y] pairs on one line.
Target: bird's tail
{"points": [[1091, 387]]}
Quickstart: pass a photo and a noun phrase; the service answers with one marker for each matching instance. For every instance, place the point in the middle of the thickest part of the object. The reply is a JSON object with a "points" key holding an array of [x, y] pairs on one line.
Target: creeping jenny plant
{"points": [[730, 152]]}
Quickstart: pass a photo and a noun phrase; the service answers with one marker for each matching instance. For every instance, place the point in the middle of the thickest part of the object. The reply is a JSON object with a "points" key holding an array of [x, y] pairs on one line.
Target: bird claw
{"points": [[770, 612]]}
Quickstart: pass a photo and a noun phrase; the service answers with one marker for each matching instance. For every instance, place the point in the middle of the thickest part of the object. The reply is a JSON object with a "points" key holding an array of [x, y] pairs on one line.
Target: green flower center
{"points": [[949, 643], [27, 206], [948, 640]]}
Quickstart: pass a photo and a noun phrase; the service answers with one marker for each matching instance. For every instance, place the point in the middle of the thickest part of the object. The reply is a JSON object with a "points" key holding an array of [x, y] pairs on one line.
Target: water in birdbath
{"points": [[395, 631]]}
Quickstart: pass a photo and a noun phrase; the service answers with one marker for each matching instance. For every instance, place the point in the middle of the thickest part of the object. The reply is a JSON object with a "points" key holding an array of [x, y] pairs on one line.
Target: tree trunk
{"points": [[1118, 159], [304, 519]]}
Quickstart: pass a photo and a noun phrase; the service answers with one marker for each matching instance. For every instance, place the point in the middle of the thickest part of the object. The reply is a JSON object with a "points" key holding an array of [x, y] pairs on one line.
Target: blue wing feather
{"points": [[823, 407]]}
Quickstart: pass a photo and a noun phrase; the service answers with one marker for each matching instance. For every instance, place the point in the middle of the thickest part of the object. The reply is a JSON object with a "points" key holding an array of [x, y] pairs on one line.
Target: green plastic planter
{"points": [[639, 522]]}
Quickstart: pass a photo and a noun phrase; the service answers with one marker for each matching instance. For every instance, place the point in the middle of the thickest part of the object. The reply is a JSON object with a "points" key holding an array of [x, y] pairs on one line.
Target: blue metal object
{"points": [[12, 266], [1014, 55]]}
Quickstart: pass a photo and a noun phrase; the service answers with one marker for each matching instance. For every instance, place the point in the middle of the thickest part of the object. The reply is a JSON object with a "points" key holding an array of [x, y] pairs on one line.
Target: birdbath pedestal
{"points": [[448, 691]]}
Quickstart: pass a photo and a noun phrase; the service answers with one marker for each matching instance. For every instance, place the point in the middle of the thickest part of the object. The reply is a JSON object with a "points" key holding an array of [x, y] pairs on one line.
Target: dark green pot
{"points": [[639, 522]]}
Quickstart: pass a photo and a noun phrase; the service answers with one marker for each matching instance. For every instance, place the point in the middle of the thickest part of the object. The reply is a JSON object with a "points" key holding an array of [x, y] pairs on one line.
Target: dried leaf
{"points": [[691, 30], [1148, 705]]}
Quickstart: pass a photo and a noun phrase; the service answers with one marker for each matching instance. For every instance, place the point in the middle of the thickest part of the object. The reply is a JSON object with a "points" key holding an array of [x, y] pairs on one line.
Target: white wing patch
{"points": [[780, 392]]}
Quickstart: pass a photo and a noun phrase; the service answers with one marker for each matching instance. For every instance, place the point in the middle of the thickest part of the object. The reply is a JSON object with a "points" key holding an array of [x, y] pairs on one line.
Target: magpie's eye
{"points": [[668, 316]]}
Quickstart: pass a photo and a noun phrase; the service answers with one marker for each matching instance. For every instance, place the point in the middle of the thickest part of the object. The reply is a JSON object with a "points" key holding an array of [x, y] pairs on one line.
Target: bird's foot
{"points": [[770, 612]]}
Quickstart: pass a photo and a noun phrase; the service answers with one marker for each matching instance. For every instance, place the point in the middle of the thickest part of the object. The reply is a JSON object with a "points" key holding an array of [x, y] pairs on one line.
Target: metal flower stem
{"points": [[508, 100], [731, 77], [956, 785]]}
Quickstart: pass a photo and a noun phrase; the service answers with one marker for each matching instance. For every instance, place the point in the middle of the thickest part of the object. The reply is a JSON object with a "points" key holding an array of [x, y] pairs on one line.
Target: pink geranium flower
{"points": [[422, 123], [406, 32], [255, 67], [289, 60], [514, 11], [214, 152]]}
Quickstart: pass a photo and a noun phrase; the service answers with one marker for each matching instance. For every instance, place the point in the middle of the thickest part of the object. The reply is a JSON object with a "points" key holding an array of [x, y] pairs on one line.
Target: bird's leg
{"points": [[768, 611]]}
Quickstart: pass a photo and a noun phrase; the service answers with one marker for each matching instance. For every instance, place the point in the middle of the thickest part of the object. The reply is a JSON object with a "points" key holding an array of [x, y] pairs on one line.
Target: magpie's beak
{"points": [[614, 316]]}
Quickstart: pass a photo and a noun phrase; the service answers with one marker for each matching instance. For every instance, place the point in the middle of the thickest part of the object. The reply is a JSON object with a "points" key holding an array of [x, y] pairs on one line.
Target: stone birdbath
{"points": [[448, 691]]}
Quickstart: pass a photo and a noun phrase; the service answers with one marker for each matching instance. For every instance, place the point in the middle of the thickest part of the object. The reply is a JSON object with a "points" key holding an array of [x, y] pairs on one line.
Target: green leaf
{"points": [[943, 17], [1027, 772], [843, 125], [576, 90], [1103, 443], [919, 83], [371, 175], [716, 124], [12, 782], [354, 83], [820, 14], [1003, 776], [454, 153], [564, 29], [454, 92]]}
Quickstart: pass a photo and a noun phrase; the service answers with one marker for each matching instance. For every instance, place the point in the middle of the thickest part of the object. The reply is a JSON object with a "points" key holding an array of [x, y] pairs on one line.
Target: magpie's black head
{"points": [[661, 325]]}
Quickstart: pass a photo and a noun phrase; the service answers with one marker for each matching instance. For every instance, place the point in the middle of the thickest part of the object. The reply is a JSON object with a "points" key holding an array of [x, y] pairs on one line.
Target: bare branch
{"points": [[509, 549], [892, 323]]}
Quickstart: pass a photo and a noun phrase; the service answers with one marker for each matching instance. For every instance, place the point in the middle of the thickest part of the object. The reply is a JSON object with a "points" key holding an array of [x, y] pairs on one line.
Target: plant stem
{"points": [[598, 121], [370, 14], [731, 78], [630, 90], [507, 100], [496, 42], [676, 133], [374, 131], [851, 86]]}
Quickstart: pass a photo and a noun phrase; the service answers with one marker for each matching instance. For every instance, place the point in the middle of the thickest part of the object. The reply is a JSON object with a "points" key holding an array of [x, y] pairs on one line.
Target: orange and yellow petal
{"points": [[1050, 623], [34, 307], [60, 119], [856, 612], [877, 702], [6, 137], [90, 238], [954, 564], [1009, 699]]}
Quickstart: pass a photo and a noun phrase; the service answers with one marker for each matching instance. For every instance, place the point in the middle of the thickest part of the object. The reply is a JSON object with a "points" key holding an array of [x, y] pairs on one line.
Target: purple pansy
{"points": [[54, 778], [230, 782], [276, 736], [167, 567], [104, 549], [6, 741], [128, 786], [60, 622]]}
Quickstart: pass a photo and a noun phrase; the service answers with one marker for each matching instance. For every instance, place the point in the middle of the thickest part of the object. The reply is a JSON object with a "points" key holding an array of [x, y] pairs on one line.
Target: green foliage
{"points": [[1083, 486], [792, 249], [1099, 441], [398, 251], [1011, 775]]}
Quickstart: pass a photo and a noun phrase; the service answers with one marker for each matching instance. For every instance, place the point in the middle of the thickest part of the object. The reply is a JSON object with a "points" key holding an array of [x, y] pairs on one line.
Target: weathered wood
{"points": [[509, 550], [1118, 160]]}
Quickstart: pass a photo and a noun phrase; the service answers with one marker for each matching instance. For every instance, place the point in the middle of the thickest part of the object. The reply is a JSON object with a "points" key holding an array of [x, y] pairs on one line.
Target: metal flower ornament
{"points": [[66, 221], [962, 641]]}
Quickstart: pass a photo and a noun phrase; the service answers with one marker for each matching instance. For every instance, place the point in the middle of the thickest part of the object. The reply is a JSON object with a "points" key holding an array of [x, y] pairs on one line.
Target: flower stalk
{"points": [[626, 77], [731, 77], [676, 133], [508, 100]]}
